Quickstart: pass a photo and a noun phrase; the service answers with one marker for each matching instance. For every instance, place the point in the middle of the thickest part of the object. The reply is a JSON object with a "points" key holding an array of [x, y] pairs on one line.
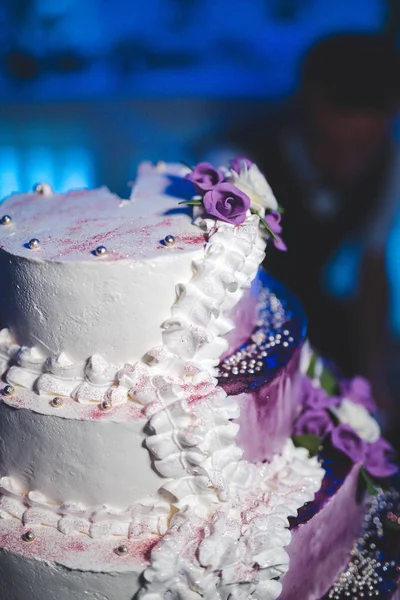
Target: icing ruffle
{"points": [[88, 382], [239, 553], [150, 516], [192, 441]]}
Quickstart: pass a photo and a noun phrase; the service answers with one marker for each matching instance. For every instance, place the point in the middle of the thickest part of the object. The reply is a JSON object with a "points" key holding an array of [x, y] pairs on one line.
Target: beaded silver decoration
{"points": [[34, 244], [122, 550], [6, 220], [250, 359], [370, 573], [100, 251], [43, 189], [8, 390], [28, 536], [57, 402], [169, 240], [106, 405]]}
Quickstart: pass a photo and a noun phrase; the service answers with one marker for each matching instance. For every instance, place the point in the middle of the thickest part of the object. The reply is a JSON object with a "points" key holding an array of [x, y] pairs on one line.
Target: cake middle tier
{"points": [[93, 461], [94, 454]]}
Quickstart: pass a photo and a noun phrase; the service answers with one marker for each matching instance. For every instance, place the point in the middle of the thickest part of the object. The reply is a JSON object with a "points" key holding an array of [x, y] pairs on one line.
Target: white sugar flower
{"points": [[359, 419], [252, 182]]}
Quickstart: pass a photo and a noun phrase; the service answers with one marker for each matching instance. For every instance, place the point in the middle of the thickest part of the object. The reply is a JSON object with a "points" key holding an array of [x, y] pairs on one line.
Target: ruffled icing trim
{"points": [[192, 441], [239, 552], [33, 509], [87, 382]]}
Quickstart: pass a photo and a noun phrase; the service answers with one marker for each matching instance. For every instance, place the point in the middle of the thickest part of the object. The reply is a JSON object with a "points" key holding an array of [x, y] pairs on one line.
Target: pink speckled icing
{"points": [[71, 226], [76, 552]]}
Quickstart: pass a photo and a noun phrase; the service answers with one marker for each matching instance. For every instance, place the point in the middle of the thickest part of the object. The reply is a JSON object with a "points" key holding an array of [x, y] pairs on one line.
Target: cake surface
{"points": [[153, 377]]}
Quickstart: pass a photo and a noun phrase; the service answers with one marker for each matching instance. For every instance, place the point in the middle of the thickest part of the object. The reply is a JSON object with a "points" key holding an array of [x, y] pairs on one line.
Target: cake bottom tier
{"points": [[77, 567]]}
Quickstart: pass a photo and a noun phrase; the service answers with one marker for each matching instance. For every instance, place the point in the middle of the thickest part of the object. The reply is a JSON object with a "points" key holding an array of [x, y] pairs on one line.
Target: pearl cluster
{"points": [[371, 573], [270, 332]]}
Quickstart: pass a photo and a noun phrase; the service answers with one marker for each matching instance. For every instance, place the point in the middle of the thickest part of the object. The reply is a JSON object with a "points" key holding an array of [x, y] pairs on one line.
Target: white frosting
{"points": [[23, 577], [62, 298], [239, 553], [93, 461], [33, 509], [89, 381]]}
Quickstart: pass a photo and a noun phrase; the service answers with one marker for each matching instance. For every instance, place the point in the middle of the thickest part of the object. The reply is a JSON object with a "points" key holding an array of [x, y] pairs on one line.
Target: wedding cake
{"points": [[166, 432]]}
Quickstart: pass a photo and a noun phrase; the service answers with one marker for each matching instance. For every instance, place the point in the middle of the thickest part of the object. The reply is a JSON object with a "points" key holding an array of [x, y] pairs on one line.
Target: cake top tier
{"points": [[71, 226]]}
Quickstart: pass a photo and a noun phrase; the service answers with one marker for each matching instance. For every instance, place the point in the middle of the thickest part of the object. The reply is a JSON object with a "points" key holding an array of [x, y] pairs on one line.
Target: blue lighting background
{"points": [[88, 88]]}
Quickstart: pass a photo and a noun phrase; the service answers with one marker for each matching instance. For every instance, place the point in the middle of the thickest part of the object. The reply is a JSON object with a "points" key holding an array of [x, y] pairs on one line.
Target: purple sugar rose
{"points": [[226, 202], [345, 439], [358, 390], [236, 163], [273, 219], [204, 176], [316, 398], [315, 422], [379, 460]]}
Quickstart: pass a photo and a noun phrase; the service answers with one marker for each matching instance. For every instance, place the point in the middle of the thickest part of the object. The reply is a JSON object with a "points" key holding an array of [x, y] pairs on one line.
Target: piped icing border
{"points": [[33, 509], [89, 382]]}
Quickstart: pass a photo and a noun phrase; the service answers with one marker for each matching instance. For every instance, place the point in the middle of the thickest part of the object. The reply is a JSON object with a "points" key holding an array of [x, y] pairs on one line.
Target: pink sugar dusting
{"points": [[73, 551], [191, 240], [198, 392], [81, 220], [124, 412], [76, 546]]}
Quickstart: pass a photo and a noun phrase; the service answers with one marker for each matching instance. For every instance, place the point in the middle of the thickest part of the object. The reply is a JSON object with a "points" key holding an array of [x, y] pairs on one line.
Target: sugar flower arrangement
{"points": [[231, 194], [345, 420]]}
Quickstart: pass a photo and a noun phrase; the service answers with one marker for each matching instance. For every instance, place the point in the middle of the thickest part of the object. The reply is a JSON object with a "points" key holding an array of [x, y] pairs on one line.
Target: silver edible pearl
{"points": [[122, 550], [8, 390], [28, 536], [6, 220], [34, 244], [169, 240], [100, 251], [43, 189], [57, 402], [106, 405]]}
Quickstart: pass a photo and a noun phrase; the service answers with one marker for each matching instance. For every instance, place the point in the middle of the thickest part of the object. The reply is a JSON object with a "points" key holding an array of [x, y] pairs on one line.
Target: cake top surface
{"points": [[71, 226]]}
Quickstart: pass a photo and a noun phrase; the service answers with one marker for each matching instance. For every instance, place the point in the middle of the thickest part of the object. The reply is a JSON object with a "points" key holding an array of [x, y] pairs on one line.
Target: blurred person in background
{"points": [[335, 168]]}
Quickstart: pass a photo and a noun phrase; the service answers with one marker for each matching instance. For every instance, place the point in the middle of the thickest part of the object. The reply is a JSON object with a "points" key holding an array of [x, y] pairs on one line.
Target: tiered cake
{"points": [[153, 377]]}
